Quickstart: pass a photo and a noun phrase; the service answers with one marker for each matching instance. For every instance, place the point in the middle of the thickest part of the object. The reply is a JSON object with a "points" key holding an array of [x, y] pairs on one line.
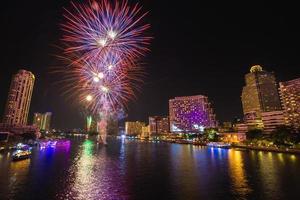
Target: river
{"points": [[132, 169]]}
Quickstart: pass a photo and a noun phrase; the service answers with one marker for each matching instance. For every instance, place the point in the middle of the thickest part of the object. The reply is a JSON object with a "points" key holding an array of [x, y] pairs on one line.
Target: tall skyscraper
{"points": [[42, 120], [260, 94], [290, 97], [191, 114], [19, 98]]}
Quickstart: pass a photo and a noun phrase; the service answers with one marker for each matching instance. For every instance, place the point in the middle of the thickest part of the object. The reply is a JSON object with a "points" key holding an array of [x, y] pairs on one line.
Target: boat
{"points": [[54, 143], [219, 145], [21, 154]]}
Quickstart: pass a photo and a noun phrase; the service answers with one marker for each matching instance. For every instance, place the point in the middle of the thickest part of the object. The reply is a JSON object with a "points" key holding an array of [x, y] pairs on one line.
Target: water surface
{"points": [[127, 169]]}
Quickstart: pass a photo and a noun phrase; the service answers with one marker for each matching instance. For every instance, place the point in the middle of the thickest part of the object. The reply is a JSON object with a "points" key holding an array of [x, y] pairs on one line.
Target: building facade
{"points": [[134, 128], [19, 129], [42, 120], [159, 125], [260, 94], [145, 131], [290, 98], [272, 120], [19, 98], [241, 128], [191, 114], [233, 137]]}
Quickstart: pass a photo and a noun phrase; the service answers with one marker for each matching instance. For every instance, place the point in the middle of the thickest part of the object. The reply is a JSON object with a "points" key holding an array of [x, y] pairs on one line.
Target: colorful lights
{"points": [[191, 114], [104, 89], [54, 144], [104, 41], [89, 98], [96, 79], [101, 42], [88, 147], [101, 75], [110, 67], [111, 34]]}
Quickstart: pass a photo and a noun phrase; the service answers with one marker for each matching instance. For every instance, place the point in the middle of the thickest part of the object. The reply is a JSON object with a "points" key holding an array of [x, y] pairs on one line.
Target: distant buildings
{"points": [[290, 97], [226, 127], [159, 125], [191, 114], [145, 131], [134, 128], [19, 129], [19, 98], [42, 120], [260, 94]]}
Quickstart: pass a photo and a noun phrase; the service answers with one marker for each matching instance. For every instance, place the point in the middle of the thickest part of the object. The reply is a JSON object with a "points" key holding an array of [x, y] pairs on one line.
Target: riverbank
{"points": [[241, 146], [269, 149]]}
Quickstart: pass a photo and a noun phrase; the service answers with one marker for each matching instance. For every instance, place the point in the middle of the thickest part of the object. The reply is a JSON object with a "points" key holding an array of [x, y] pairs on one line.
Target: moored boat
{"points": [[219, 145], [21, 154]]}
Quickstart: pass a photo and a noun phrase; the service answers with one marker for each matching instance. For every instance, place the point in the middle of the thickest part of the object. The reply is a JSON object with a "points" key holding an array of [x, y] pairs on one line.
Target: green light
{"points": [[88, 147], [89, 122]]}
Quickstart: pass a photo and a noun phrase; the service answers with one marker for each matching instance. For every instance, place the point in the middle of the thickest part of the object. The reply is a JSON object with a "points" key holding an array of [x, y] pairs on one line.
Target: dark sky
{"points": [[198, 49]]}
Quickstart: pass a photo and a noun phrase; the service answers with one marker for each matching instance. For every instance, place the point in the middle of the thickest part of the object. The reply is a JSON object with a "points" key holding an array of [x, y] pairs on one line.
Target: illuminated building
{"points": [[145, 131], [233, 137], [272, 120], [191, 114], [226, 127], [19, 129], [159, 125], [241, 127], [42, 120], [134, 128], [260, 94], [290, 98], [19, 98]]}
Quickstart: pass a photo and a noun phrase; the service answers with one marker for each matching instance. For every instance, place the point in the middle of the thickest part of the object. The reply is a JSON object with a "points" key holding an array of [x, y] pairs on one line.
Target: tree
{"points": [[29, 136], [283, 135], [211, 134], [254, 134]]}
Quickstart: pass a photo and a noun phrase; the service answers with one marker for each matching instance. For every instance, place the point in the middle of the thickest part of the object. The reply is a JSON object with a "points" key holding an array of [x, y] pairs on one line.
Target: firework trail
{"points": [[104, 42]]}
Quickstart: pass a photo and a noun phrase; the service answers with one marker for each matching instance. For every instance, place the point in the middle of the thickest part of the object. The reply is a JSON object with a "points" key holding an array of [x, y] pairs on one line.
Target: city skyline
{"points": [[171, 71], [148, 99]]}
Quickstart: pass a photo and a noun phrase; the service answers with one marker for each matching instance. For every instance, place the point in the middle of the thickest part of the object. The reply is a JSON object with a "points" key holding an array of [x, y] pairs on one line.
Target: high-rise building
{"points": [[42, 120], [272, 120], [19, 98], [260, 94], [159, 125], [191, 114], [134, 128], [290, 98]]}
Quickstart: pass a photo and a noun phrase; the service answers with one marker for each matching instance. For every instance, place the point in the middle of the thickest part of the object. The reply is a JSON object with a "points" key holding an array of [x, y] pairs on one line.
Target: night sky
{"points": [[197, 49]]}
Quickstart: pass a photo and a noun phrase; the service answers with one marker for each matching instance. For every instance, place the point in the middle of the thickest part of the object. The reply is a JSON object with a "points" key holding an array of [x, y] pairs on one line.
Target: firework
{"points": [[98, 27], [103, 44]]}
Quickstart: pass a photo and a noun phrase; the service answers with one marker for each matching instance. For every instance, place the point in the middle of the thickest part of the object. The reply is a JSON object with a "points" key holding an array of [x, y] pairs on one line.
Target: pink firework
{"points": [[101, 26], [103, 44]]}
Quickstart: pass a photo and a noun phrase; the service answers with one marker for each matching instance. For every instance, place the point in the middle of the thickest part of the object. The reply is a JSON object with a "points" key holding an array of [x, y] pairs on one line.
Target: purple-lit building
{"points": [[191, 114]]}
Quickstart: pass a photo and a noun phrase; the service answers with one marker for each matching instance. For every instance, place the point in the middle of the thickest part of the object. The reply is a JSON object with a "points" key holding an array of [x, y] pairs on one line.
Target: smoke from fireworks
{"points": [[104, 41]]}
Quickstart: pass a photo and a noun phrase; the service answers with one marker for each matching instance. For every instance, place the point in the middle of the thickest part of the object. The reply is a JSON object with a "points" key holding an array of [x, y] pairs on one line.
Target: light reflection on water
{"points": [[141, 170], [94, 175], [240, 186]]}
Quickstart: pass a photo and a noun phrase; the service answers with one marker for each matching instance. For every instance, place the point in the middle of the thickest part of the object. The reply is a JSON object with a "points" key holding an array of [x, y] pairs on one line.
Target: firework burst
{"points": [[104, 41], [98, 27]]}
